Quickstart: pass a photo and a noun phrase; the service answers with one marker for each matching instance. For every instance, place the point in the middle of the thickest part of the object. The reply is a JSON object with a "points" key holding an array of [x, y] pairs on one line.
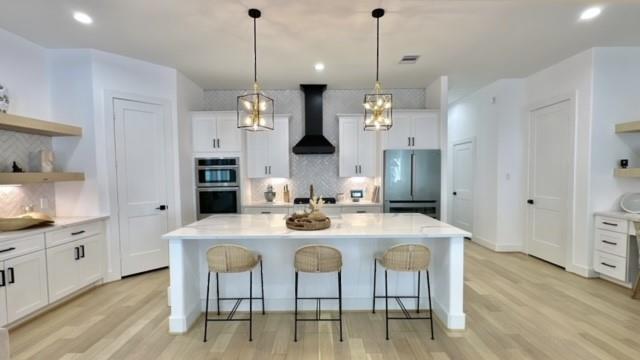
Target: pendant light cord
{"points": [[377, 48], [255, 54]]}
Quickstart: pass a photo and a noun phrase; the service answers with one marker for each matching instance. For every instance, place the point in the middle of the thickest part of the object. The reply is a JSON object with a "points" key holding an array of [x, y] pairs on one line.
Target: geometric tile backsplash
{"points": [[319, 170], [16, 147]]}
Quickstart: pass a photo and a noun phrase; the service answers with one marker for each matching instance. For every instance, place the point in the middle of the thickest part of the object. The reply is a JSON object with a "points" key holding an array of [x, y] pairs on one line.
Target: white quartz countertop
{"points": [[379, 226], [288, 205], [59, 223], [619, 215]]}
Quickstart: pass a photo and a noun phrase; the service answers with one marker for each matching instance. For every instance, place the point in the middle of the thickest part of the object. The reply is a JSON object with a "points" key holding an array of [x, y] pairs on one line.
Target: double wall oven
{"points": [[217, 186]]}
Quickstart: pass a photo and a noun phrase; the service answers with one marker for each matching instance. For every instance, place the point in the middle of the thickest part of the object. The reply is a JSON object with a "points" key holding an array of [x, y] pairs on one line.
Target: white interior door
{"points": [[550, 154], [142, 191], [462, 195]]}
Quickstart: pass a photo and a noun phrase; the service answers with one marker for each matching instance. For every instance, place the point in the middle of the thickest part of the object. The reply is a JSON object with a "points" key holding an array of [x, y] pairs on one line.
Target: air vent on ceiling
{"points": [[409, 59]]}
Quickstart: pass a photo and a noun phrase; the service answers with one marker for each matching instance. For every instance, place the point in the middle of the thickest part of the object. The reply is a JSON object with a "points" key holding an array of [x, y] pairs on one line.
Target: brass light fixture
{"points": [[255, 109], [378, 108]]}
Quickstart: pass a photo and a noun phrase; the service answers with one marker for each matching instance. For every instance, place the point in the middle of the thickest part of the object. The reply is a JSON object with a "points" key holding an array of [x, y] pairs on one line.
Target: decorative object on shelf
{"points": [[15, 168], [356, 195], [25, 221], [630, 202], [4, 99], [378, 108], [41, 161], [269, 195], [255, 109], [315, 205], [624, 163], [286, 195]]}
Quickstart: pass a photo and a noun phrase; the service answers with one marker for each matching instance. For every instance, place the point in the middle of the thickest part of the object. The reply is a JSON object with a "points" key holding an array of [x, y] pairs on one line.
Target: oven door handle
{"points": [[217, 167], [218, 189]]}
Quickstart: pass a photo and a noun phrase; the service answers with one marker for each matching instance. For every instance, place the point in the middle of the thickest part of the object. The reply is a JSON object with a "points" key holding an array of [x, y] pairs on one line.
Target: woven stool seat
{"points": [[231, 259], [406, 257], [318, 259]]}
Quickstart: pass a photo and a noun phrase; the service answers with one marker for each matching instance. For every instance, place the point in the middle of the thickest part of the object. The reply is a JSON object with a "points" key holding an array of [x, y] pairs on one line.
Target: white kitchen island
{"points": [[358, 236]]}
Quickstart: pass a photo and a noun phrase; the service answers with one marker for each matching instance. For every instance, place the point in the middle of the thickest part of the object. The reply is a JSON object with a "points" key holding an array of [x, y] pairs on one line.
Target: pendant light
{"points": [[254, 108], [378, 105]]}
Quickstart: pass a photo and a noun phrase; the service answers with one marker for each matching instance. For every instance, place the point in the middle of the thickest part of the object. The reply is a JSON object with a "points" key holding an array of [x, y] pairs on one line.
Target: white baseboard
{"points": [[582, 271], [484, 243]]}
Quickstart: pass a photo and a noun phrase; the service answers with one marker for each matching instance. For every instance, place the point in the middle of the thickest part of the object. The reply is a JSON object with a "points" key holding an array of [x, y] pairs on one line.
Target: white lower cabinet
{"points": [[26, 285], [74, 265]]}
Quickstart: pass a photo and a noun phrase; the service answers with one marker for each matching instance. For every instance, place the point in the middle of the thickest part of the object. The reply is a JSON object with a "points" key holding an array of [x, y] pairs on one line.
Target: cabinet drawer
{"points": [[612, 224], [73, 233], [612, 242], [21, 246], [611, 265], [360, 210]]}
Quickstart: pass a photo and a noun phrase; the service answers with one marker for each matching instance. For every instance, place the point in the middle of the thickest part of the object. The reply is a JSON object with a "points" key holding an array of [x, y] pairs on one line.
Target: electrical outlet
{"points": [[44, 203]]}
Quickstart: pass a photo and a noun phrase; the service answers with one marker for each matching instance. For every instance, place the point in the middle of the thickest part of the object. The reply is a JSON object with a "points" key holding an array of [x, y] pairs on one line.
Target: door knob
{"points": [[162, 207], [455, 193], [530, 202]]}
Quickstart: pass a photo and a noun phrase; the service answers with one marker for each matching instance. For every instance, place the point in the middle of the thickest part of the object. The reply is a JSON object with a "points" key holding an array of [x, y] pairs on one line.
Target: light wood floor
{"points": [[517, 308]]}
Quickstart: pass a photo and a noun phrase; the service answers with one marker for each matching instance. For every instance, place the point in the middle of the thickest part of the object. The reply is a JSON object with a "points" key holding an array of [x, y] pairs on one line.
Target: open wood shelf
{"points": [[628, 127], [629, 172], [39, 127], [32, 177]]}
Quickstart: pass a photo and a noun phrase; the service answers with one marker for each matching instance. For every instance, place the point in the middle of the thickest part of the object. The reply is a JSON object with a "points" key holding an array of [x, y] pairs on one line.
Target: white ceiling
{"points": [[473, 41]]}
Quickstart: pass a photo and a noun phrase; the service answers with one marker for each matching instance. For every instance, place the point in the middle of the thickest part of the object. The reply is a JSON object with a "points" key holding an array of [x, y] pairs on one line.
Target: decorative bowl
{"points": [[630, 202]]}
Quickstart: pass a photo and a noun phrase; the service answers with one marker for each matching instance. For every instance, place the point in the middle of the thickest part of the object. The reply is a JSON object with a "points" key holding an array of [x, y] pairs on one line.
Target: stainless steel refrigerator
{"points": [[412, 181]]}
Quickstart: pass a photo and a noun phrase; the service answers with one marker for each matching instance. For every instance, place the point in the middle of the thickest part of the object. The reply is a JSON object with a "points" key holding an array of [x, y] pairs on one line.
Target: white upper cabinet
{"points": [[419, 129], [357, 148], [215, 131], [268, 151]]}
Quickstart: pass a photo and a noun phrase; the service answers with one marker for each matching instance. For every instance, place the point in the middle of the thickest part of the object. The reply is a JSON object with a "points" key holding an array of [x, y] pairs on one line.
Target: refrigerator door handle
{"points": [[413, 172]]}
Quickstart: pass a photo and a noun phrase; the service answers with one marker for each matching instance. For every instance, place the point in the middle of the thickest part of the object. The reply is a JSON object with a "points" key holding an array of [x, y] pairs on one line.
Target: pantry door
{"points": [[550, 164], [142, 185], [462, 194]]}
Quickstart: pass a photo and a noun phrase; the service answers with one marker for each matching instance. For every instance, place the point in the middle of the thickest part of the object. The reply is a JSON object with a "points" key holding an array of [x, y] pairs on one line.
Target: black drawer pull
{"points": [[78, 233], [2, 278], [266, 212], [7, 249], [12, 276], [608, 265], [361, 212], [610, 224], [609, 242], [76, 253], [82, 251]]}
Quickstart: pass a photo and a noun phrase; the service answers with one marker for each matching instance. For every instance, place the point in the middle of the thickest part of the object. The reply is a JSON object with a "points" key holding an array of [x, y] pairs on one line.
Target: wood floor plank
{"points": [[517, 307]]}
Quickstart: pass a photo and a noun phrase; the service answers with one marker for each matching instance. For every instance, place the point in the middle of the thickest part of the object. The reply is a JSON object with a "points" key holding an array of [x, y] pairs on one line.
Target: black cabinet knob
{"points": [[530, 202], [162, 207], [455, 193]]}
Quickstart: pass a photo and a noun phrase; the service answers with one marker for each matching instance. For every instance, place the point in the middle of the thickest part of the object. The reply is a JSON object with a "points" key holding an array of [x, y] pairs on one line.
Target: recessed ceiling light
{"points": [[591, 13], [318, 66], [82, 18]]}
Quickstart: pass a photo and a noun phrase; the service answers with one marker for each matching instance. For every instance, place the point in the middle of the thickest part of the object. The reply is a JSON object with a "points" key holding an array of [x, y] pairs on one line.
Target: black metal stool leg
{"points": [[418, 299], [375, 265], [218, 293], [206, 306], [250, 305], [430, 307], [386, 304], [262, 286], [340, 301], [295, 326]]}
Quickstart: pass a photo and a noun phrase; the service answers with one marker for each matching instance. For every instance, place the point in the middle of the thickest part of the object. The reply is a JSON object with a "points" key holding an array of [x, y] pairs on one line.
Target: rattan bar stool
{"points": [[318, 259], [232, 259], [403, 258]]}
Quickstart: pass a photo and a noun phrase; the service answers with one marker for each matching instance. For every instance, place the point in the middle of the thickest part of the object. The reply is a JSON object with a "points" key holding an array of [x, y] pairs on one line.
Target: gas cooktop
{"points": [[326, 200]]}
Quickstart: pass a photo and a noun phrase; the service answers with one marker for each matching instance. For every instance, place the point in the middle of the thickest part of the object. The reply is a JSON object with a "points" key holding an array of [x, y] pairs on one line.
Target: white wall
{"points": [[23, 71], [190, 97], [492, 117], [437, 97]]}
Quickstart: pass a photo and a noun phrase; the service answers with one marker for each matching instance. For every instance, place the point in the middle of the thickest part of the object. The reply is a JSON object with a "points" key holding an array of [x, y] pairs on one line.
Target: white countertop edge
{"points": [[315, 235], [290, 205], [60, 223], [618, 215]]}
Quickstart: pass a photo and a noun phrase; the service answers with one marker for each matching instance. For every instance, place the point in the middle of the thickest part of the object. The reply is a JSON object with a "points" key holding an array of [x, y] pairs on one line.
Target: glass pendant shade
{"points": [[378, 110], [255, 111]]}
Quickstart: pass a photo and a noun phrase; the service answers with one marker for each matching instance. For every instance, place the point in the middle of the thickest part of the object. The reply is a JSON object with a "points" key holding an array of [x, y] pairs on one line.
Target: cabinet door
{"points": [[398, 137], [228, 134], [26, 278], [348, 146], [367, 152], [279, 149], [257, 154], [204, 132], [3, 295], [63, 270], [426, 131], [92, 260]]}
